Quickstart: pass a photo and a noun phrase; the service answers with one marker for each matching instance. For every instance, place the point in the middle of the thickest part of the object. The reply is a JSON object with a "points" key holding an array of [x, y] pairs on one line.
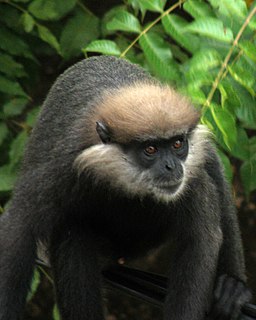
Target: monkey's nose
{"points": [[170, 165]]}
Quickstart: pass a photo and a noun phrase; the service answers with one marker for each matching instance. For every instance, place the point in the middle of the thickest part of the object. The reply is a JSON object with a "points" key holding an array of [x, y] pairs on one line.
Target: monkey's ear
{"points": [[103, 132]]}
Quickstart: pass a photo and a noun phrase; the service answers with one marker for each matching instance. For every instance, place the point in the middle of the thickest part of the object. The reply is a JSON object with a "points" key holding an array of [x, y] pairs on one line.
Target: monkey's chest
{"points": [[132, 230]]}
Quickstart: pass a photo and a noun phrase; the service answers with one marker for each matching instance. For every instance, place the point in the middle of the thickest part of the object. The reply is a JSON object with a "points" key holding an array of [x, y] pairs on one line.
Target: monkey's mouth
{"points": [[168, 188]]}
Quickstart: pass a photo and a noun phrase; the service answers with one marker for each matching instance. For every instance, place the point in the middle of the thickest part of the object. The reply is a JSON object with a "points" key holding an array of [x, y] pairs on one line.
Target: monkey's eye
{"points": [[178, 144], [150, 150]]}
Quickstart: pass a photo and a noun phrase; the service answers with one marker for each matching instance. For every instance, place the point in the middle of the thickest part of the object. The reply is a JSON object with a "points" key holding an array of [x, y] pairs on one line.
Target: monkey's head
{"points": [[145, 141]]}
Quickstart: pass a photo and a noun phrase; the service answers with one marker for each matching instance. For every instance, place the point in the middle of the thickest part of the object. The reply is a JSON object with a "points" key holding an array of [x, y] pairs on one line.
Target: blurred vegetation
{"points": [[206, 49]]}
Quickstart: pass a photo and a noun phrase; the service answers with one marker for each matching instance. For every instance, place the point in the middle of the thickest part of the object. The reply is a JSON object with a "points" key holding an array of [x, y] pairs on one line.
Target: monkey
{"points": [[116, 165]]}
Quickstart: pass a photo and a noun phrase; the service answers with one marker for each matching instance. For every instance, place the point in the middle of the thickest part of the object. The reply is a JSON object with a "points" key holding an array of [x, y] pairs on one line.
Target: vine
{"points": [[151, 25], [227, 58]]}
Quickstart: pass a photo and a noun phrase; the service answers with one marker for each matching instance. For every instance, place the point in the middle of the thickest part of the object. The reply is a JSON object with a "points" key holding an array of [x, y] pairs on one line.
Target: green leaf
{"points": [[247, 115], [199, 79], [56, 314], [132, 54], [32, 116], [198, 9], [196, 95], [226, 124], [46, 35], [137, 6], [152, 5], [248, 175], [227, 166], [108, 16], [11, 87], [242, 76], [34, 285], [3, 132], [174, 27], [231, 13], [212, 28], [235, 9], [17, 149], [80, 29], [204, 60], [13, 44], [159, 56], [10, 17], [245, 110], [179, 54], [10, 67], [7, 178], [51, 10], [241, 149], [252, 143], [124, 21], [27, 21], [209, 121], [15, 106], [248, 48], [229, 95], [252, 23], [223, 94], [107, 47]]}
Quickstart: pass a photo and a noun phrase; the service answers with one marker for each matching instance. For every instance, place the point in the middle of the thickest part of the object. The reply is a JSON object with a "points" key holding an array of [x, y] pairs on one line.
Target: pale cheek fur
{"points": [[107, 163]]}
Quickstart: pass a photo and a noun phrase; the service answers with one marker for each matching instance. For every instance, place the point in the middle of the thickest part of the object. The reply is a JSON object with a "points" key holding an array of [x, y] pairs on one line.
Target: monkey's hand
{"points": [[228, 298]]}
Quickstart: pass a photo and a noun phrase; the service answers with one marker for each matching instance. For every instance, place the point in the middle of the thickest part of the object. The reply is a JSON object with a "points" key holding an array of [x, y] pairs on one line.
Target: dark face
{"points": [[161, 159], [153, 167]]}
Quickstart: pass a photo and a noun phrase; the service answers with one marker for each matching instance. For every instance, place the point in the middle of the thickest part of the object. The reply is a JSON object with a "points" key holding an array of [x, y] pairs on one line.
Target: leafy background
{"points": [[206, 49]]}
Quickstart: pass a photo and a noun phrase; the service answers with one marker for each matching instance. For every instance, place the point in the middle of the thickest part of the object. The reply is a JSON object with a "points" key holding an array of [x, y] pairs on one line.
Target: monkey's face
{"points": [[160, 162], [147, 142], [159, 168]]}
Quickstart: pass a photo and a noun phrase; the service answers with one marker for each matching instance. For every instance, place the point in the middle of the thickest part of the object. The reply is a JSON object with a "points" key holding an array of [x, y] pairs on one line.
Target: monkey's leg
{"points": [[77, 277], [17, 256]]}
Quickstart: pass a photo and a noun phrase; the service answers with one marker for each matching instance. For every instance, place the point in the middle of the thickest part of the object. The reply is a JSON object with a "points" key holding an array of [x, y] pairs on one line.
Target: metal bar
{"points": [[150, 287]]}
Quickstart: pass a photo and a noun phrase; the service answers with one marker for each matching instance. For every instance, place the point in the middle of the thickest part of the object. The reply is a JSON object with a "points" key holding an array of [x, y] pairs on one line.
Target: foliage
{"points": [[207, 49], [210, 56]]}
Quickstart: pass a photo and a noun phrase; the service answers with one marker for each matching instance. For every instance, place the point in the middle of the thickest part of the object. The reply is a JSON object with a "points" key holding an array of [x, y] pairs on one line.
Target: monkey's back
{"points": [[78, 89]]}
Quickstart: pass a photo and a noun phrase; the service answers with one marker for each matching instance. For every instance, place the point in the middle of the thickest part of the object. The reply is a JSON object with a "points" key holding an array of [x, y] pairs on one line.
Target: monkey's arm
{"points": [[230, 289], [77, 275], [18, 252], [17, 256], [231, 258], [193, 267], [30, 217], [231, 292]]}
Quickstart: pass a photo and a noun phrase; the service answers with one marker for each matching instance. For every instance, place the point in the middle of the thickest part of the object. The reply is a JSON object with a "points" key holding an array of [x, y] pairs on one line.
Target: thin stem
{"points": [[84, 8], [238, 56], [22, 125], [226, 61], [165, 13], [46, 274], [14, 5]]}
